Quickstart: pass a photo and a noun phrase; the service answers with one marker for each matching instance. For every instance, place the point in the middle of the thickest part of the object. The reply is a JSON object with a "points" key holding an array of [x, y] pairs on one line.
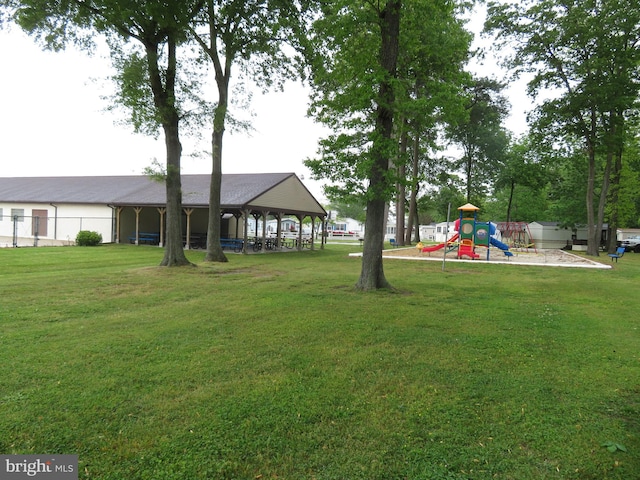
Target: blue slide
{"points": [[499, 244]]}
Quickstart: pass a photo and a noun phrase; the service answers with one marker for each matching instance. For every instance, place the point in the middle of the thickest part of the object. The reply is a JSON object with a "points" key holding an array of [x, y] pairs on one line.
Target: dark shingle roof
{"points": [[238, 190], [91, 190]]}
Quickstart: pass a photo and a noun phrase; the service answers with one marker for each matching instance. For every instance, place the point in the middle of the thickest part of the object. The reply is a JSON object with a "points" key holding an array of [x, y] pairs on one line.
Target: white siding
{"points": [[549, 236], [280, 197], [63, 222]]}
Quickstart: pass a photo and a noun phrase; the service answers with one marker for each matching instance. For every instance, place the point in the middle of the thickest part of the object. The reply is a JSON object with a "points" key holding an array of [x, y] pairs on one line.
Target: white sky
{"points": [[53, 122]]}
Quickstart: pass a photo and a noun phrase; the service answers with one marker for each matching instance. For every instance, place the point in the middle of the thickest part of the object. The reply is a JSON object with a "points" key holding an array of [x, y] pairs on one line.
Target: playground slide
{"points": [[499, 244], [467, 250], [440, 245]]}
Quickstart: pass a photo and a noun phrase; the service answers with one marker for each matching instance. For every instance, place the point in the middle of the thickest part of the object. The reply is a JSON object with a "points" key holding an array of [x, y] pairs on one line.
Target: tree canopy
{"points": [[585, 52], [355, 47], [251, 35], [382, 68], [145, 38], [481, 136]]}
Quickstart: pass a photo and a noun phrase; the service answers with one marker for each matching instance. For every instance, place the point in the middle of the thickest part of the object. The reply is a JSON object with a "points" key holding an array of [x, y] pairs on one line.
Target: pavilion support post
{"points": [[118, 214], [279, 229], [265, 214], [188, 212], [245, 213], [237, 217], [300, 218], [137, 210], [255, 216], [324, 233], [161, 211]]}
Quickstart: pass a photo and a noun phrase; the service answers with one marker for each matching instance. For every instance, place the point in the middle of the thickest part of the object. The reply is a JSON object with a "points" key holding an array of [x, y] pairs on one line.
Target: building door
{"points": [[39, 223]]}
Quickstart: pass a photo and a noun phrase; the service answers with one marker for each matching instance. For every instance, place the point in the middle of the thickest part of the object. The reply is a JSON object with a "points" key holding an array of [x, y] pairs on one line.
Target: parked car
{"points": [[631, 244]]}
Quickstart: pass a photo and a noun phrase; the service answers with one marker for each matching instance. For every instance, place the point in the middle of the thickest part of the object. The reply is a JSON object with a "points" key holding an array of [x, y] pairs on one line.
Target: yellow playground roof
{"points": [[467, 207]]}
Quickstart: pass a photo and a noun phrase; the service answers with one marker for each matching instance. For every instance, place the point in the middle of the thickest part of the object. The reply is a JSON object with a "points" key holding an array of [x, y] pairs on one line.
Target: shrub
{"points": [[85, 238]]}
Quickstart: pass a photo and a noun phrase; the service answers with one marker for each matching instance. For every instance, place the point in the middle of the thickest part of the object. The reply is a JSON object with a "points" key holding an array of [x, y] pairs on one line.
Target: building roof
{"points": [[274, 192], [546, 224]]}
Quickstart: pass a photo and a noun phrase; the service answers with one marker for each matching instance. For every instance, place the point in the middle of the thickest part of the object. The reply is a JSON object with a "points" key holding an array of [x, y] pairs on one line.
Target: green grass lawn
{"points": [[273, 366]]}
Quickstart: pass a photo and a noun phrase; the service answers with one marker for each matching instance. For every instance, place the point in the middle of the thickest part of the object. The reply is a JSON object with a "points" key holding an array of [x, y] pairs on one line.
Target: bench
{"points": [[619, 253], [145, 237], [234, 244], [196, 240]]}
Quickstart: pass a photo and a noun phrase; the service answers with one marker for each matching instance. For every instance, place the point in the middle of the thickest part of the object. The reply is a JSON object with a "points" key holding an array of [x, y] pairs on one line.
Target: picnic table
{"points": [[145, 237], [234, 244]]}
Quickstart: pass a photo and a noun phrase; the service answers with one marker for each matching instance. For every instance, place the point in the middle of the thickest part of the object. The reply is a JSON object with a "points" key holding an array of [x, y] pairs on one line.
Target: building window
{"points": [[17, 212]]}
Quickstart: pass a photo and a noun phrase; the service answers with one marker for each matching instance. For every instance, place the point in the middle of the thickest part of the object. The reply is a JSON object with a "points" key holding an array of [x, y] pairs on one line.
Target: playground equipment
{"points": [[517, 235], [471, 234], [433, 248]]}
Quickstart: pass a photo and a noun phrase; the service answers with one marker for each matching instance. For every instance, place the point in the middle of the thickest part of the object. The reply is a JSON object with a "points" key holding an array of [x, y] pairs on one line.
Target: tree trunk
{"points": [[469, 170], [611, 180], [174, 250], [596, 219], [214, 248], [413, 202], [163, 96], [416, 217], [592, 236], [612, 241], [401, 192], [592, 240], [222, 76], [512, 189], [604, 193], [372, 274]]}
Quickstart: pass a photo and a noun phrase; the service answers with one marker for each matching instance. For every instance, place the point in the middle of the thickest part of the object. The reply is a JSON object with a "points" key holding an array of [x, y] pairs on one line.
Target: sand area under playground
{"points": [[547, 258]]}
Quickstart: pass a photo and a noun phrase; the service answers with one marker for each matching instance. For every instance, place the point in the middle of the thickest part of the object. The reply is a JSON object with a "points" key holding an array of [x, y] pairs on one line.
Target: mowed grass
{"points": [[273, 366]]}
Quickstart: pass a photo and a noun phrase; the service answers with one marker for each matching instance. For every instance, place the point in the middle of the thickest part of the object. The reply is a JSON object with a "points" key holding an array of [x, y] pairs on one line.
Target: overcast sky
{"points": [[53, 122]]}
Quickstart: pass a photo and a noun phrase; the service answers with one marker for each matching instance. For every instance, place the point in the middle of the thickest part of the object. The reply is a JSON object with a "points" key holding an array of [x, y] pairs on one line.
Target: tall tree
{"points": [[587, 53], [251, 35], [481, 136], [627, 195], [567, 186], [372, 274], [430, 94], [158, 28], [357, 44], [522, 167], [371, 54], [414, 185]]}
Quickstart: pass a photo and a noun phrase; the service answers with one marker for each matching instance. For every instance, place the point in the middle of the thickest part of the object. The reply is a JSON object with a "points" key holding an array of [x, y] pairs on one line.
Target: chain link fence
{"points": [[32, 231]]}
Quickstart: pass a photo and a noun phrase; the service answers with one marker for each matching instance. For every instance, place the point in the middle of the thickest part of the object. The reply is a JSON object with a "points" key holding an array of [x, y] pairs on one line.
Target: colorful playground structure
{"points": [[471, 234]]}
